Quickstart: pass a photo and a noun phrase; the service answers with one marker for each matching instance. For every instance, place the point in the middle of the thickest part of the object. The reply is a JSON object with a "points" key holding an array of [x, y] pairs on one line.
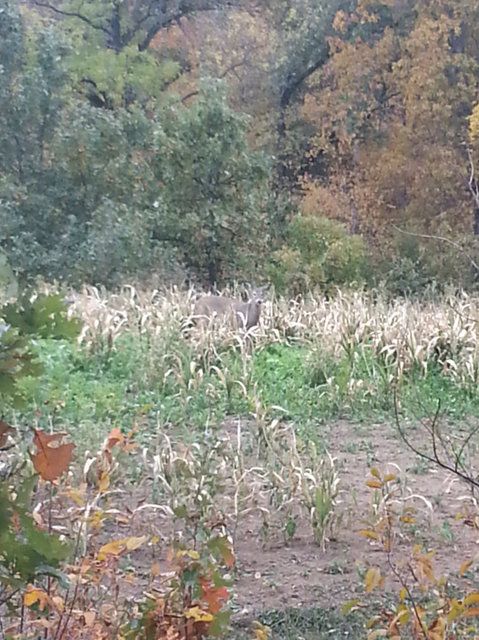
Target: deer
{"points": [[243, 314]]}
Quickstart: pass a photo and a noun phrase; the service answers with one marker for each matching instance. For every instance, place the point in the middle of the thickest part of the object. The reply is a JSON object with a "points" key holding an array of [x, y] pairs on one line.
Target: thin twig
{"points": [[436, 459], [448, 241]]}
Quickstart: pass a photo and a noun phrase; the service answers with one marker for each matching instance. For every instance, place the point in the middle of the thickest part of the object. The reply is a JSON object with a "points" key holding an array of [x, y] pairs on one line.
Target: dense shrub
{"points": [[96, 194], [318, 253]]}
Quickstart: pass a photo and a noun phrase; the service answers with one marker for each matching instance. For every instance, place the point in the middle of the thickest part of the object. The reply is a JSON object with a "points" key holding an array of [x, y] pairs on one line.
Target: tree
{"points": [[389, 112], [70, 174], [213, 200], [113, 60]]}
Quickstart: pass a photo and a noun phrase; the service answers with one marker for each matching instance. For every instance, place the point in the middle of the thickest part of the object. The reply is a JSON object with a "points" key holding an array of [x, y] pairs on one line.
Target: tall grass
{"points": [[138, 360]]}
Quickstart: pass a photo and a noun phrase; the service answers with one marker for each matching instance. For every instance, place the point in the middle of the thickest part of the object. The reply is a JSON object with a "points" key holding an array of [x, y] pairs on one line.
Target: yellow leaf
{"points": [[198, 615], [374, 472], [104, 482], [456, 609], [113, 548], [465, 567], [472, 598], [135, 542], [403, 594], [374, 484], [191, 553], [369, 533], [116, 547], [373, 579], [77, 496], [261, 632], [33, 595], [389, 477]]}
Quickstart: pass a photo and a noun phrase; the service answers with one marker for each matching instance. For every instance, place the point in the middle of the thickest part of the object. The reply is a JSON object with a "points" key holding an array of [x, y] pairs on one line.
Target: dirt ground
{"points": [[301, 574]]}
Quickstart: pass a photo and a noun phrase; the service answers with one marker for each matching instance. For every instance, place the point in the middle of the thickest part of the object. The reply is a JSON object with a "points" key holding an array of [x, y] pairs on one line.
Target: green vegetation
{"points": [[327, 148], [168, 380]]}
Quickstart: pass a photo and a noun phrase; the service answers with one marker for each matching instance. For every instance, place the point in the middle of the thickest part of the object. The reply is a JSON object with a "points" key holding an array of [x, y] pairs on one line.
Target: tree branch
{"points": [[72, 14], [435, 458], [164, 20], [448, 241]]}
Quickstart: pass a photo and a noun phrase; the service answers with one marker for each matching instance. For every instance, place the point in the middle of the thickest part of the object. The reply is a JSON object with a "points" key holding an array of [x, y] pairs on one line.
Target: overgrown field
{"points": [[262, 475]]}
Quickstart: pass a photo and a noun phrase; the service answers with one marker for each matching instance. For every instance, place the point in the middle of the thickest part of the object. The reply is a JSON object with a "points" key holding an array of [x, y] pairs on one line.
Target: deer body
{"points": [[243, 314]]}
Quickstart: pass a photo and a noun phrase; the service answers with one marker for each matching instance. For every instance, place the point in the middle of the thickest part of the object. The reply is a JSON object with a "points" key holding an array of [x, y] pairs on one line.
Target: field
{"points": [[278, 458]]}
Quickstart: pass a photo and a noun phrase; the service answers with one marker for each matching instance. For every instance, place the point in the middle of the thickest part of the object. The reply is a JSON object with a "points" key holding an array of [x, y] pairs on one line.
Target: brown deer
{"points": [[240, 314]]}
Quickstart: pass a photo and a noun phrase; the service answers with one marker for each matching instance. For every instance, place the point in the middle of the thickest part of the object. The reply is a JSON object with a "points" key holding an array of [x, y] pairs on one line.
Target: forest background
{"points": [[293, 141]]}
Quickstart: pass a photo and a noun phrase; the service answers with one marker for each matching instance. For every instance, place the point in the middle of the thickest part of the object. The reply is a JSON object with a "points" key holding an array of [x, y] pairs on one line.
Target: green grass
{"points": [[152, 382], [314, 623]]}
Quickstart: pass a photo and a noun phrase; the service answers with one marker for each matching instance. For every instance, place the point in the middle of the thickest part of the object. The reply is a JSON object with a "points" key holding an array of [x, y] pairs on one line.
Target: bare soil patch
{"points": [[300, 574]]}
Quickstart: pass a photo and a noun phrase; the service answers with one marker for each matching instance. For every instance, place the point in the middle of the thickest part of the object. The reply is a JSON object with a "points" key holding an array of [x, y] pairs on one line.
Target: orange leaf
{"points": [[52, 458], [465, 567], [374, 484], [114, 437], [215, 597]]}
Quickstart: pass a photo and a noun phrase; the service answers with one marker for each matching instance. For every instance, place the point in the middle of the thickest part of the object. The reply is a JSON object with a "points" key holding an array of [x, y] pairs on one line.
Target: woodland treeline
{"points": [[294, 141]]}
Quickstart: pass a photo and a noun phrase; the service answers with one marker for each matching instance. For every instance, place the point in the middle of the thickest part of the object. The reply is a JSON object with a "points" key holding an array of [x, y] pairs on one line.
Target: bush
{"points": [[318, 253], [415, 265]]}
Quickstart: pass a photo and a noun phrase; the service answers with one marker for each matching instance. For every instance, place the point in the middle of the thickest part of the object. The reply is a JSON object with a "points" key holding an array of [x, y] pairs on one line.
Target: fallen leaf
{"points": [[88, 618], [465, 567], [117, 547], [33, 595], [373, 579]]}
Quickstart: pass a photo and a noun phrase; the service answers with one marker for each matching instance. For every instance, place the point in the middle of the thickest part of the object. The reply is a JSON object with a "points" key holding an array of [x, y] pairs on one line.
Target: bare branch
{"points": [[448, 241], [436, 458], [72, 14]]}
